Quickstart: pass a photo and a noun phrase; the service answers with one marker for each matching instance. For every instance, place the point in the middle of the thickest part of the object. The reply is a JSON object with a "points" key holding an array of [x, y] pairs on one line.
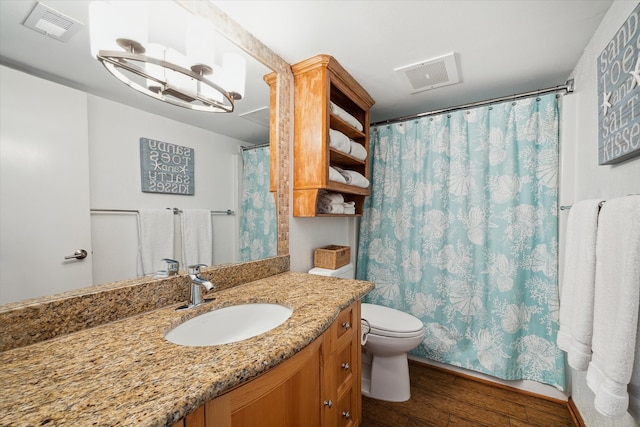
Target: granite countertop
{"points": [[125, 373]]}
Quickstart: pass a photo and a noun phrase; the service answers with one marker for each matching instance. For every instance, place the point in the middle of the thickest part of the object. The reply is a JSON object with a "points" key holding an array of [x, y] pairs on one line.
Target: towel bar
{"points": [[176, 211]]}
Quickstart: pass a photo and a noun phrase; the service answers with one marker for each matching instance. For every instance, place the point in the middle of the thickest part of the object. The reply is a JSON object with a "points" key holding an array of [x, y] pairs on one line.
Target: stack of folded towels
{"points": [[333, 203], [349, 208], [341, 142]]}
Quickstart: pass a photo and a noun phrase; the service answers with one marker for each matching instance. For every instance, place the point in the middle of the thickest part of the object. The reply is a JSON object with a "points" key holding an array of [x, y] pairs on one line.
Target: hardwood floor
{"points": [[440, 398]]}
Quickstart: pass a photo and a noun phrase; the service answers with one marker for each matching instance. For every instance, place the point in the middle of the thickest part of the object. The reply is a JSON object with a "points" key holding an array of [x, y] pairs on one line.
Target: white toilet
{"points": [[389, 335]]}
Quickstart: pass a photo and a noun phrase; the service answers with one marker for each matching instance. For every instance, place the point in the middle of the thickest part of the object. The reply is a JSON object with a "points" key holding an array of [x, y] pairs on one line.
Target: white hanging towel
{"points": [[155, 239], [577, 286], [616, 303], [197, 237]]}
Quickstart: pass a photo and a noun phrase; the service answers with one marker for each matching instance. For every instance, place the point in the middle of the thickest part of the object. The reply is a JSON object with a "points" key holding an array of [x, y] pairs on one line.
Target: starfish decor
{"points": [[636, 74], [605, 102]]}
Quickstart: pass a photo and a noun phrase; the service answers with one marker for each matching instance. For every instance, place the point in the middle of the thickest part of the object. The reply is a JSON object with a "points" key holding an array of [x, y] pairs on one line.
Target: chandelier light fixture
{"points": [[159, 49]]}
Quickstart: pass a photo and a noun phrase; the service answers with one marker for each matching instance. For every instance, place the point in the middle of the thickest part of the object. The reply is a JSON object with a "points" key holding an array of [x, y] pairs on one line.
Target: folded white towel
{"points": [[577, 286], [331, 197], [352, 177], [357, 150], [197, 237], [616, 303], [329, 208], [155, 239], [339, 141], [335, 175], [340, 112]]}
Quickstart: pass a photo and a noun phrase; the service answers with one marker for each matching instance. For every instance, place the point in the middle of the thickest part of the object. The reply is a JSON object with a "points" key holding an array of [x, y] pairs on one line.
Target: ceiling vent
{"points": [[431, 73], [52, 23], [260, 116]]}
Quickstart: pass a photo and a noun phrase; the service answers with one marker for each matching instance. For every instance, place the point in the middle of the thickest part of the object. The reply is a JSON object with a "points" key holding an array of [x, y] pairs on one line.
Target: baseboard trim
{"points": [[578, 421]]}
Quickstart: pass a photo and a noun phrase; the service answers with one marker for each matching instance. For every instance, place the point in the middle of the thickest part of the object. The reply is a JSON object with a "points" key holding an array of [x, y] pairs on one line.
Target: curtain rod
{"points": [[252, 147], [568, 87], [176, 211]]}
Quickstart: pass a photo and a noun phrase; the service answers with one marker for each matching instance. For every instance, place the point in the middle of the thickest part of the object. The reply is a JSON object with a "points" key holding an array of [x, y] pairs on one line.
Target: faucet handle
{"points": [[195, 269], [172, 266]]}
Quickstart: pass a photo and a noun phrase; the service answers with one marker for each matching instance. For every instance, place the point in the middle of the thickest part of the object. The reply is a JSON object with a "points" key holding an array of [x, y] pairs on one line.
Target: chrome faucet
{"points": [[197, 283]]}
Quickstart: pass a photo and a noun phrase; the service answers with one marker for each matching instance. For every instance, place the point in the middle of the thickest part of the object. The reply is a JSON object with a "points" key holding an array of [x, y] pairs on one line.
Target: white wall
{"points": [[581, 177], [114, 151], [306, 234]]}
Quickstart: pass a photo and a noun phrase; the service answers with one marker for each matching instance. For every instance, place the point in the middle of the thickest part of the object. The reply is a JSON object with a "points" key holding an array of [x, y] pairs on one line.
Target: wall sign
{"points": [[619, 94], [166, 168]]}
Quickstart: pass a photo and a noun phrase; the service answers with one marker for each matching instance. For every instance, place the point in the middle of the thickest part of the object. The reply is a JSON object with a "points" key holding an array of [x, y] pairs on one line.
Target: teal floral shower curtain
{"points": [[461, 232], [258, 234]]}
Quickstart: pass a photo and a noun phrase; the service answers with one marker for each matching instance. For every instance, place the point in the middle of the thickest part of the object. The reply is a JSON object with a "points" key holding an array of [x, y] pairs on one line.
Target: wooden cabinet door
{"points": [[289, 395]]}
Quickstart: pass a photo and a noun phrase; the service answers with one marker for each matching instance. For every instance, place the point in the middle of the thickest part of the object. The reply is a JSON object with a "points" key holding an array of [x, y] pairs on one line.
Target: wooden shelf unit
{"points": [[318, 81]]}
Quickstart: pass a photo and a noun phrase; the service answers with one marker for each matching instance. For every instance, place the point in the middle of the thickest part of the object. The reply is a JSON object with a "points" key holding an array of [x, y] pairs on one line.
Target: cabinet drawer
{"points": [[346, 410], [346, 322], [344, 365]]}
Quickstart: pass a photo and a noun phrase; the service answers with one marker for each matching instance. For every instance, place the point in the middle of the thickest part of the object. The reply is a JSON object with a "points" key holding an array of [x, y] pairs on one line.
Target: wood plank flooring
{"points": [[441, 398]]}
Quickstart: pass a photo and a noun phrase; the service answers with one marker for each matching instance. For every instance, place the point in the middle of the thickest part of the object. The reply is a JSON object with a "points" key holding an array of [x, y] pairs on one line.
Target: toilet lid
{"points": [[390, 322]]}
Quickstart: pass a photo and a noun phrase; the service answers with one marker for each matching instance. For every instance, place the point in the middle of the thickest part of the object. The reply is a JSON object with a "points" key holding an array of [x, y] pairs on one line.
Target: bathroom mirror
{"points": [[65, 67]]}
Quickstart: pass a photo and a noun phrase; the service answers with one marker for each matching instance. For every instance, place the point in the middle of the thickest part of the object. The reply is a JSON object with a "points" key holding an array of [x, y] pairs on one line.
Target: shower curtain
{"points": [[461, 232], [258, 235]]}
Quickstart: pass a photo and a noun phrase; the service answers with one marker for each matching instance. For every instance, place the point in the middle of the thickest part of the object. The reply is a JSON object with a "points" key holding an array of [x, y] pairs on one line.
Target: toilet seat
{"points": [[389, 322]]}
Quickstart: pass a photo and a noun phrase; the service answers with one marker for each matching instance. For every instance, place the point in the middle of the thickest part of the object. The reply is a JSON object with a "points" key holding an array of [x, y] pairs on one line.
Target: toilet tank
{"points": [[345, 272]]}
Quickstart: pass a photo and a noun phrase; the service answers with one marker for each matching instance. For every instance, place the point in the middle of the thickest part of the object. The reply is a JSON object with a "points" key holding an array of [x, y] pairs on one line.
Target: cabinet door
{"points": [[287, 396]]}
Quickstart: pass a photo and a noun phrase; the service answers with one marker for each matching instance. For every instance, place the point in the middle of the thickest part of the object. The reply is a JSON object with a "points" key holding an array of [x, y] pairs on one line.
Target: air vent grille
{"points": [[52, 23], [431, 73], [259, 116]]}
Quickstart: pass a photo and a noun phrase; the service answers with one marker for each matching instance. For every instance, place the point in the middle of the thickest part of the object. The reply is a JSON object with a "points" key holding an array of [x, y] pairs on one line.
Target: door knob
{"points": [[79, 254]]}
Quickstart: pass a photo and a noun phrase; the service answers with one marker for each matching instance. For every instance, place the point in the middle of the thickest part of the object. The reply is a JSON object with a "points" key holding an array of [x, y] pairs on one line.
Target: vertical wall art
{"points": [[166, 168], [619, 94]]}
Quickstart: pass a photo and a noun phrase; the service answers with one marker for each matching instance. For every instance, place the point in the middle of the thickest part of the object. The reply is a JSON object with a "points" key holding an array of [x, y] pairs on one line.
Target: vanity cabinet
{"points": [[317, 387], [319, 82], [342, 399]]}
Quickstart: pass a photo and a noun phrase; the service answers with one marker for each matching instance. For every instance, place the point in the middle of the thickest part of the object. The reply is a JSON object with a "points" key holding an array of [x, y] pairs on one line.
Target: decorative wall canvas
{"points": [[619, 94], [166, 168]]}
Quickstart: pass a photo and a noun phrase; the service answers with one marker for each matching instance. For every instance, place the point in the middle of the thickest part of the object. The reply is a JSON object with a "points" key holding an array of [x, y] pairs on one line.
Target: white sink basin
{"points": [[229, 324]]}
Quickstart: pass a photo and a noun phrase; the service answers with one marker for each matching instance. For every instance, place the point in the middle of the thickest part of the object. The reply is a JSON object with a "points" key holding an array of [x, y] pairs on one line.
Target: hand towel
{"points": [[352, 177], [577, 286], [338, 111], [616, 303], [357, 150], [335, 175], [197, 237], [634, 384], [339, 141], [155, 239]]}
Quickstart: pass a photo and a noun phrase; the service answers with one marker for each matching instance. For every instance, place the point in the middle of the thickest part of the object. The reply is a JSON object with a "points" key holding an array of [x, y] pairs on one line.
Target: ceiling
{"points": [[501, 47]]}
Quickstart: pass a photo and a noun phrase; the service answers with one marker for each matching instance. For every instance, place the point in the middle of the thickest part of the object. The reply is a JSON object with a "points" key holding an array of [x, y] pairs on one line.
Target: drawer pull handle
{"points": [[346, 325], [346, 414], [345, 366], [328, 403]]}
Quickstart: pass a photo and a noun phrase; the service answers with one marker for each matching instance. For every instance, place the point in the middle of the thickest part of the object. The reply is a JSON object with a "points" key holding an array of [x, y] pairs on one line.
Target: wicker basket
{"points": [[332, 256]]}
